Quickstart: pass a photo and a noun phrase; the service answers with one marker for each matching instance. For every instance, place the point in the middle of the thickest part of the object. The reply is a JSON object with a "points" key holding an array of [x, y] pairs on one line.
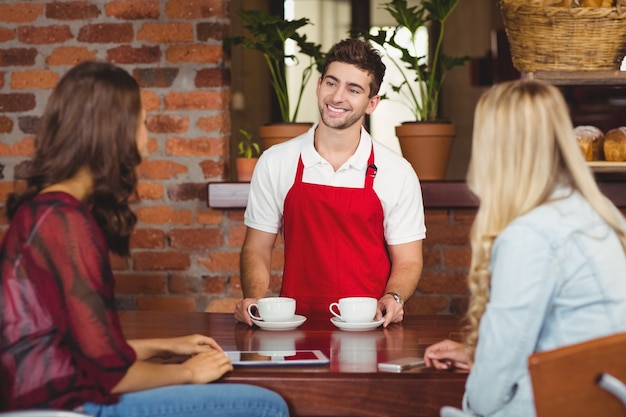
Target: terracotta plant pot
{"points": [[281, 132], [427, 147], [245, 167]]}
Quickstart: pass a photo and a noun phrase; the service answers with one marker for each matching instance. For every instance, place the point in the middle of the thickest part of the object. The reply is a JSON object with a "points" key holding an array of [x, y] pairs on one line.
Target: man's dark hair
{"points": [[362, 55]]}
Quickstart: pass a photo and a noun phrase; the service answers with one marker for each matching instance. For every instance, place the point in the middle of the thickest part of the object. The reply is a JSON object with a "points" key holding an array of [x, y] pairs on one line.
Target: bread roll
{"points": [[615, 145], [590, 140]]}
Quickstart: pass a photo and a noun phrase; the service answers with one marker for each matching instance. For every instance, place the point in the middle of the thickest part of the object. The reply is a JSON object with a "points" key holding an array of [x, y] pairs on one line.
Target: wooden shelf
{"points": [[607, 166], [615, 77]]}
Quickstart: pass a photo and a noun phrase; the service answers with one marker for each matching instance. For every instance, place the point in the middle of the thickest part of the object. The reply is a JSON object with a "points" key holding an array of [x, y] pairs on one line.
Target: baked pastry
{"points": [[590, 140], [615, 145]]}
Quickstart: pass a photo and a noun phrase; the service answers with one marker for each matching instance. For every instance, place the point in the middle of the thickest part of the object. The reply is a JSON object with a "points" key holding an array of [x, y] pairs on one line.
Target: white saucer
{"points": [[355, 327], [281, 325]]}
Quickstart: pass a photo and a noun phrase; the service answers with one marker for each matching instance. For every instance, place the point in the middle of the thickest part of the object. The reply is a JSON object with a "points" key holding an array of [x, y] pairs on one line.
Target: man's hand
{"points": [[390, 309], [241, 310]]}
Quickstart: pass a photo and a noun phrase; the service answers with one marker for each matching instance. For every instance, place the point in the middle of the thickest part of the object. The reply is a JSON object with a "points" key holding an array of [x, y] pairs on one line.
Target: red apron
{"points": [[334, 243]]}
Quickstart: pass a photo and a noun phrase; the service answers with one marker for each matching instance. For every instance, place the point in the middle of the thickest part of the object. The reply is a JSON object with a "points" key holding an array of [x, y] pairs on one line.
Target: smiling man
{"points": [[349, 209]]}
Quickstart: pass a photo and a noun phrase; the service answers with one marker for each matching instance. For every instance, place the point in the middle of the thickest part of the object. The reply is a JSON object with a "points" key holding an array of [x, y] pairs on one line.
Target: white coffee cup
{"points": [[272, 309], [355, 309]]}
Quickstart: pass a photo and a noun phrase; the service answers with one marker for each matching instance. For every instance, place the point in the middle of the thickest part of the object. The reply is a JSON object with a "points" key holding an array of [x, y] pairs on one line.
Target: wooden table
{"points": [[351, 384]]}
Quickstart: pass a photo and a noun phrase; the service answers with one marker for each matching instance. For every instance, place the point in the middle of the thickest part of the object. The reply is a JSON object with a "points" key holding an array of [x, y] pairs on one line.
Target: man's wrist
{"points": [[396, 296]]}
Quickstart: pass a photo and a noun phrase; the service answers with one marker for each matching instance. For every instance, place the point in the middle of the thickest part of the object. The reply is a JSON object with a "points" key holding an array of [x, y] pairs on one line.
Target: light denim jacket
{"points": [[558, 278]]}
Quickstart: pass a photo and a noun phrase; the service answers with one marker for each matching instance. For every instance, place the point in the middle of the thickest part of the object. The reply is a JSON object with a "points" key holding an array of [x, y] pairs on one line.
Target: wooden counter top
{"points": [[436, 194]]}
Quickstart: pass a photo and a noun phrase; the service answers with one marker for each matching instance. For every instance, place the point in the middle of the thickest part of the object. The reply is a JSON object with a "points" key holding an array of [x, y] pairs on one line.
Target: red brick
{"points": [[459, 305], [196, 238], [212, 77], [155, 77], [196, 147], [6, 34], [133, 10], [276, 282], [212, 169], [437, 215], [28, 124], [237, 216], [185, 9], [140, 284], [184, 284], [215, 285], [126, 54], [222, 305], [17, 102], [118, 263], [215, 124], [45, 79], [151, 147], [166, 303], [24, 147], [164, 123], [187, 191], [221, 261], [464, 216], [208, 216], [236, 235], [6, 187], [235, 285], [70, 55], [17, 57], [194, 100], [40, 35], [432, 257], [442, 283], [6, 125], [160, 170], [106, 33], [72, 10], [160, 261], [166, 32], [163, 215], [150, 100], [450, 234], [458, 258], [22, 169], [150, 191], [418, 305], [212, 31], [148, 238], [20, 12], [205, 54]]}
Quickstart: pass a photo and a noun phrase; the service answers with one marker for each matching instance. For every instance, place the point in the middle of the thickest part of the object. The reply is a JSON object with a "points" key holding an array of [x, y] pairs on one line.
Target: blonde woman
{"points": [[548, 249]]}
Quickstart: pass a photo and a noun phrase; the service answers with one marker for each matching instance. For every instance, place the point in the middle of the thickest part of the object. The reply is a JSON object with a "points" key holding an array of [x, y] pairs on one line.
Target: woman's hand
{"points": [[192, 345], [207, 366], [447, 355]]}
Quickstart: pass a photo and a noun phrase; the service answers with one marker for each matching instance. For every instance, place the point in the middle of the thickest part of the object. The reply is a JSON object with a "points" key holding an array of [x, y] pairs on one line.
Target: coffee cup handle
{"points": [[330, 308], [251, 313]]}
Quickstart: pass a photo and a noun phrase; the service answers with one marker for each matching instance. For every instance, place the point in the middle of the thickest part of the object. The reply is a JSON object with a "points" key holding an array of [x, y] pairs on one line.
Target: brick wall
{"points": [[185, 256]]}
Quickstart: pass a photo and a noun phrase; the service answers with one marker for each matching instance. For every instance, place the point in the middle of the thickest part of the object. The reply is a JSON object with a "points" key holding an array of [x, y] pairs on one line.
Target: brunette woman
{"points": [[62, 346]]}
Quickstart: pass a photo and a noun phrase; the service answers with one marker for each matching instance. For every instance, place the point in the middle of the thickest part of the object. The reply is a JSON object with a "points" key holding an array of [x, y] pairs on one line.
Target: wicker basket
{"points": [[544, 38]]}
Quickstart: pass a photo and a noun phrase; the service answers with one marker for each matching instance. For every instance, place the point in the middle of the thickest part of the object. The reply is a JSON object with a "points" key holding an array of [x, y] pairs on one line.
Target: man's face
{"points": [[342, 96]]}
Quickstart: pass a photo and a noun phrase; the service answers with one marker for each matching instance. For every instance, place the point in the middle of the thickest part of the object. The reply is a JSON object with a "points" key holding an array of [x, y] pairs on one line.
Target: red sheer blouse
{"points": [[62, 343]]}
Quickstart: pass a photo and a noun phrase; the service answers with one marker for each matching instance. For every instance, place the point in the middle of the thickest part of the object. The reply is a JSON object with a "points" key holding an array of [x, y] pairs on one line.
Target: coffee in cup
{"points": [[273, 309], [355, 309]]}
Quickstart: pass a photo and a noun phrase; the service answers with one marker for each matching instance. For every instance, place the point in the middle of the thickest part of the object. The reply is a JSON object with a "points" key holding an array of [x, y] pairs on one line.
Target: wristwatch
{"points": [[396, 297]]}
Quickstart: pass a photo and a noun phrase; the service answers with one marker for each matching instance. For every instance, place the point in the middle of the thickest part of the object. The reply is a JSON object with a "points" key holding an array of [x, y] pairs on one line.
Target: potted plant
{"points": [[423, 77], [249, 152], [267, 34]]}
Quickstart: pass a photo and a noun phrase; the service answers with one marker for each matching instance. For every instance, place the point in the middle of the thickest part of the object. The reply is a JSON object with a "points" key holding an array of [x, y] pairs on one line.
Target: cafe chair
{"points": [[42, 413], [581, 380]]}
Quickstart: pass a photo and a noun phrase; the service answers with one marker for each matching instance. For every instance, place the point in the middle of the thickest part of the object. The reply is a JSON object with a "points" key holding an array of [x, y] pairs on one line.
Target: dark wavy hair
{"points": [[363, 56], [91, 121]]}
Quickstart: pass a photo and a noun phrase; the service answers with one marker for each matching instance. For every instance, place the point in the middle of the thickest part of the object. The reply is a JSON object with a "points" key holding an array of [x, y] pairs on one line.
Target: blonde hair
{"points": [[523, 148]]}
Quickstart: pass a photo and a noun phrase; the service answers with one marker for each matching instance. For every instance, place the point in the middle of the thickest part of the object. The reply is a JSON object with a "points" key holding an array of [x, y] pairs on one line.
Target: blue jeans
{"points": [[223, 400]]}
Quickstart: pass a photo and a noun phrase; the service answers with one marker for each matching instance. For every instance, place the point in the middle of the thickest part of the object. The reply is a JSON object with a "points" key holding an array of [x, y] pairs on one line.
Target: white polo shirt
{"points": [[396, 185]]}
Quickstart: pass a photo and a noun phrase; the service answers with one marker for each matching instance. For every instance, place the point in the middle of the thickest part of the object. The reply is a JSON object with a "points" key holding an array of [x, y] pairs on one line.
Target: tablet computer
{"points": [[278, 357]]}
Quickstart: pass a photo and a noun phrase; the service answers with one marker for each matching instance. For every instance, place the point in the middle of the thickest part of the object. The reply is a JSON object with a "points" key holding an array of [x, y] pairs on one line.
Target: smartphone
{"points": [[399, 365]]}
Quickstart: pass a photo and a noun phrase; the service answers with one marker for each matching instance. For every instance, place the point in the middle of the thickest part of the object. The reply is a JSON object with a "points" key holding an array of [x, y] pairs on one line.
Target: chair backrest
{"points": [[564, 379]]}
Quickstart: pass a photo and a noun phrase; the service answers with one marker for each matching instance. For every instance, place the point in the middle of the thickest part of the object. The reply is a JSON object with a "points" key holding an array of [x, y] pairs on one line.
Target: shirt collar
{"points": [[358, 160]]}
